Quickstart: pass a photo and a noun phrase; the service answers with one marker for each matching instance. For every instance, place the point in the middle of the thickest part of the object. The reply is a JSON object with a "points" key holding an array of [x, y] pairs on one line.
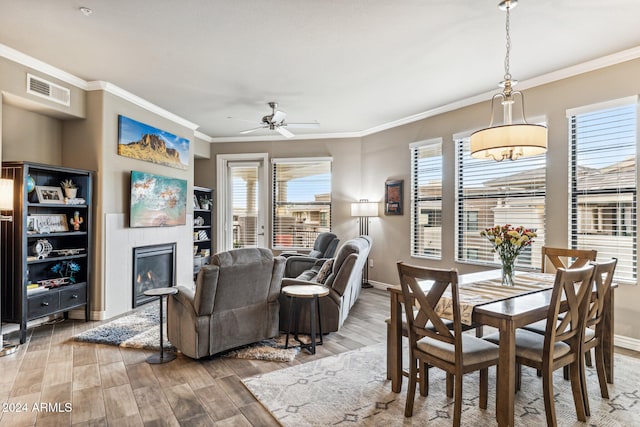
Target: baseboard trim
{"points": [[618, 340], [626, 342]]}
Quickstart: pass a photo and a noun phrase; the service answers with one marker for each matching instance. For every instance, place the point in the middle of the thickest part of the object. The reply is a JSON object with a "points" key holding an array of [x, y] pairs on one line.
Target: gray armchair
{"points": [[324, 247], [234, 303], [344, 282]]}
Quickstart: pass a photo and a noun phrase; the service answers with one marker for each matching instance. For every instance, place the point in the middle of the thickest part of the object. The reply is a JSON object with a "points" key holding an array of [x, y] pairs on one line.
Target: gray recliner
{"points": [[324, 247], [344, 282], [235, 302]]}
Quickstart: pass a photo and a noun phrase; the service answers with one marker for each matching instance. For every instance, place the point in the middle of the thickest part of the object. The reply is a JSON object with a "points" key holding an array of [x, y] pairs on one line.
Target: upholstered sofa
{"points": [[234, 303], [344, 281], [324, 247]]}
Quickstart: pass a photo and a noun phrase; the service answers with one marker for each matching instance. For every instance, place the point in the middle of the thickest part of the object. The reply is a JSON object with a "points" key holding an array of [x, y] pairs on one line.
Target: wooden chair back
{"points": [[556, 256], [602, 276], [571, 294], [424, 304]]}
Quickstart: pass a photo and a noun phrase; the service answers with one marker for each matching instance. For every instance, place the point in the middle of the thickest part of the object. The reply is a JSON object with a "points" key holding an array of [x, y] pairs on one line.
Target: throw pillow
{"points": [[324, 271]]}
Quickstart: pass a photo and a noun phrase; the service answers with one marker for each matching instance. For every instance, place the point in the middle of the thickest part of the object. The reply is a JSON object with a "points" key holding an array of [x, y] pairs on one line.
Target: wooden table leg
{"points": [[394, 346], [505, 398], [607, 339]]}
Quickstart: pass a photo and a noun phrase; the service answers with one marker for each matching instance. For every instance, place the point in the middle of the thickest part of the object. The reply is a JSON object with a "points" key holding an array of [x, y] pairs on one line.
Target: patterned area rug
{"points": [[140, 330], [351, 389]]}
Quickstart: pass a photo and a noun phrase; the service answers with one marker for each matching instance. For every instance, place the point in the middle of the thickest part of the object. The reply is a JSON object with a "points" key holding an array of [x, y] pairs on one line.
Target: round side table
{"points": [[162, 357], [310, 293]]}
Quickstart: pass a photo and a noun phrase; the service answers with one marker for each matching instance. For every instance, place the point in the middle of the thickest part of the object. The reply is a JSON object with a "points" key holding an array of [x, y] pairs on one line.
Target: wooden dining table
{"points": [[506, 315]]}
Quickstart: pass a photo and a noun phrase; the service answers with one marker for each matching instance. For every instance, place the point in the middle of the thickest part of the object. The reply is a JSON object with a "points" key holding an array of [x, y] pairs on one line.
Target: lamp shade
{"points": [[364, 209], [509, 141], [6, 194]]}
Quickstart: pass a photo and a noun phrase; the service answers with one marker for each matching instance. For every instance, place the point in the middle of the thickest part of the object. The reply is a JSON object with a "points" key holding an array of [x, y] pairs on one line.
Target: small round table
{"points": [[162, 357], [310, 293]]}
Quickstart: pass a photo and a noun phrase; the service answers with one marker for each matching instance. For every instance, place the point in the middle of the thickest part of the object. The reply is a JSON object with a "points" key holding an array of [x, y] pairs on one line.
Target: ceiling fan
{"points": [[276, 121]]}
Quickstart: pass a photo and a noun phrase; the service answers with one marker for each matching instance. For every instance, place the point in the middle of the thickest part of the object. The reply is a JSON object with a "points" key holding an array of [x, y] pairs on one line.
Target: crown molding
{"points": [[337, 135], [37, 65], [585, 67], [140, 102], [202, 136]]}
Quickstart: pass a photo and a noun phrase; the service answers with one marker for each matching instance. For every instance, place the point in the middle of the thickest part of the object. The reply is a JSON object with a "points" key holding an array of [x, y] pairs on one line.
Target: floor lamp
{"points": [[6, 204], [364, 209]]}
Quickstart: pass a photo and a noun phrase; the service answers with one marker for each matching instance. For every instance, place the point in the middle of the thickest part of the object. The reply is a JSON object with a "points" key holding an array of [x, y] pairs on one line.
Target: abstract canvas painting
{"points": [[157, 201], [143, 142]]}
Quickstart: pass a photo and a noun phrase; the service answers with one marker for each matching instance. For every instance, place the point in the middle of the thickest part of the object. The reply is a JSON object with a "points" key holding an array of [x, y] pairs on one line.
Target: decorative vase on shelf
{"points": [[70, 193]]}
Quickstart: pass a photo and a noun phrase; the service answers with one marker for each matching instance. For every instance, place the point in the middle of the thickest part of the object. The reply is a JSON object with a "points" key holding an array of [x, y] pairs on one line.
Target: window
{"points": [[426, 199], [603, 182], [490, 193], [301, 201]]}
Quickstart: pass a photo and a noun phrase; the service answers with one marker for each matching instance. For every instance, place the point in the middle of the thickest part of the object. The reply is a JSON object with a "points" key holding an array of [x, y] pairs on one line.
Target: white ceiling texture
{"points": [[355, 66]]}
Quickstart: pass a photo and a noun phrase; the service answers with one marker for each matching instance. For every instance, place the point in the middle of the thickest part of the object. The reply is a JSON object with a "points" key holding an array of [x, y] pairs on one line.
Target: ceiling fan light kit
{"points": [[276, 121], [508, 141]]}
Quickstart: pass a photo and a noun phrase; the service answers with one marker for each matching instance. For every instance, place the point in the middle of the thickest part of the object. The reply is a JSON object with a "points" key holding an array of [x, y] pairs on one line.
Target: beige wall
{"points": [[31, 136], [94, 143], [360, 166], [386, 155], [346, 171], [85, 135]]}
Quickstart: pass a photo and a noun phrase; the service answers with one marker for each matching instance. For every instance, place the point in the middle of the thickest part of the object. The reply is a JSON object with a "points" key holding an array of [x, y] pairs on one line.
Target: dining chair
{"points": [[594, 326], [556, 256], [561, 345], [433, 343]]}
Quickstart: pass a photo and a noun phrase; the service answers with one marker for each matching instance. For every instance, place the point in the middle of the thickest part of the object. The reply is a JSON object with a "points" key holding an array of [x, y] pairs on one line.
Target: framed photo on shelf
{"points": [[196, 205], [52, 223], [49, 195], [393, 197]]}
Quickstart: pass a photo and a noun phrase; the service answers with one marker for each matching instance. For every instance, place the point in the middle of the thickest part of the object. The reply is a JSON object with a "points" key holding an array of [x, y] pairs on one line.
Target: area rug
{"points": [[140, 330], [352, 389]]}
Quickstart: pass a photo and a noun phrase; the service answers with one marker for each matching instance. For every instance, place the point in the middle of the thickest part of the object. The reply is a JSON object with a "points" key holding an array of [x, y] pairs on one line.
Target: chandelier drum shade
{"points": [[508, 140]]}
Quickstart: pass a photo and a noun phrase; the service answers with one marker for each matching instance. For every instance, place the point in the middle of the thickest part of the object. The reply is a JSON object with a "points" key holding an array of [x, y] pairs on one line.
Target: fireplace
{"points": [[153, 267]]}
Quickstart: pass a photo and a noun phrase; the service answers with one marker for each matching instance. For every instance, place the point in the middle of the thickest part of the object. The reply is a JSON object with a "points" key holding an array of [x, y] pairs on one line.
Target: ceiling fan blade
{"points": [[278, 117], [252, 130], [284, 132], [303, 125]]}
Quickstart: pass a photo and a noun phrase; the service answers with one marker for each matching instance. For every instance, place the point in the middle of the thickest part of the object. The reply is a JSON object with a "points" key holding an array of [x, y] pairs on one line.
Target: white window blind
{"points": [[603, 185], [301, 202], [491, 193], [426, 199]]}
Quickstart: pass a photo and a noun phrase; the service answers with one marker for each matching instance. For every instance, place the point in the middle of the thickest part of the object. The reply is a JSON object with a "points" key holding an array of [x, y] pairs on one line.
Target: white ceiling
{"points": [[352, 65]]}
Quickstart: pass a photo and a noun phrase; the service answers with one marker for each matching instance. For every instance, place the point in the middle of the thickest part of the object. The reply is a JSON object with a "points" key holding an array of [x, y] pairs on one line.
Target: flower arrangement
{"points": [[508, 242], [66, 269]]}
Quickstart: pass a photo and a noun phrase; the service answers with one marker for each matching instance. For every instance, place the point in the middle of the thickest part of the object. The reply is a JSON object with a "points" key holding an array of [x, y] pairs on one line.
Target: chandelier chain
{"points": [[507, 74]]}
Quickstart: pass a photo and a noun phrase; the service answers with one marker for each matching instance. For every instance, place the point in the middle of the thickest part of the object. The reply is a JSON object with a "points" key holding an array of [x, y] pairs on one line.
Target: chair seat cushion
{"points": [[589, 334], [529, 345], [474, 350], [539, 328]]}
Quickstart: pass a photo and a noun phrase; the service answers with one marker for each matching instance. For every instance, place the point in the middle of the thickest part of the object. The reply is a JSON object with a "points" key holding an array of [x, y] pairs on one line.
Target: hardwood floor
{"points": [[103, 385], [110, 386]]}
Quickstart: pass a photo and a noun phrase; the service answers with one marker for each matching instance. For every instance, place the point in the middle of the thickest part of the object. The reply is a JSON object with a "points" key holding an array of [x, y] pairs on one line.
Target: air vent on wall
{"points": [[51, 91]]}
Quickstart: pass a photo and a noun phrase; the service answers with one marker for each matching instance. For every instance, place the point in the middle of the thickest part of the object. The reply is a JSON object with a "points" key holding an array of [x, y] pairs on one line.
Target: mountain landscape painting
{"points": [[143, 142]]}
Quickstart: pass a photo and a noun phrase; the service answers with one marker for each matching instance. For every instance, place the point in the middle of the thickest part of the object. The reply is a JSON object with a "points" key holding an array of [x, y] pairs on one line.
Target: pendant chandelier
{"points": [[508, 140]]}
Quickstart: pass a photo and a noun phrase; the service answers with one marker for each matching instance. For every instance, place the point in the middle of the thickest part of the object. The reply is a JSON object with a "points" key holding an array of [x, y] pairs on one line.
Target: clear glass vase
{"points": [[507, 272]]}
